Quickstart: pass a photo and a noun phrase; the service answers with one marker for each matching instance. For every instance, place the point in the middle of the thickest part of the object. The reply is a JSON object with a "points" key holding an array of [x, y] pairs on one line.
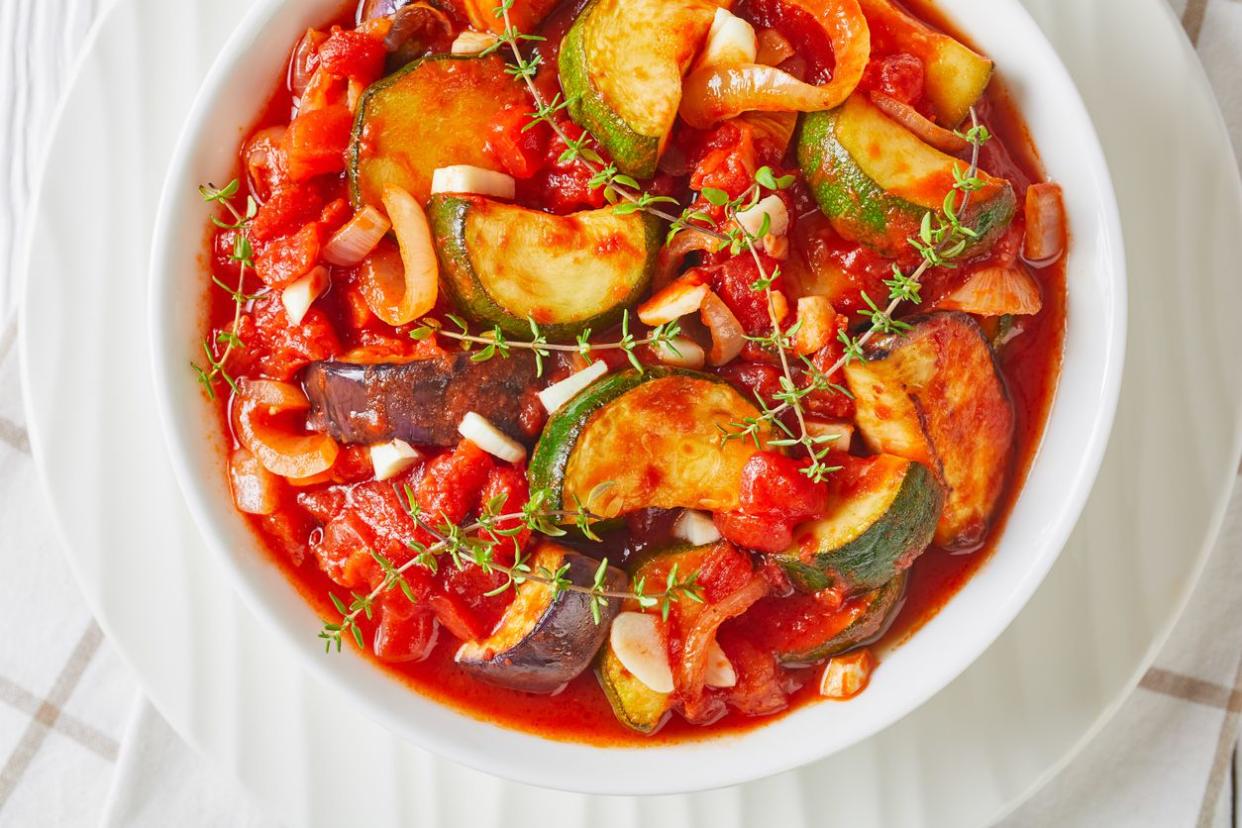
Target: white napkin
{"points": [[79, 744]]}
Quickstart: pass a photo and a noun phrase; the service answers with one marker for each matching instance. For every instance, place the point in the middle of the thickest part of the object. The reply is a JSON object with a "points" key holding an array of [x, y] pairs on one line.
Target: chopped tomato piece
{"points": [[899, 76], [317, 141], [519, 144], [776, 496], [506, 492], [353, 54], [279, 350], [562, 186], [724, 572], [286, 259], [406, 632], [290, 207], [452, 482]]}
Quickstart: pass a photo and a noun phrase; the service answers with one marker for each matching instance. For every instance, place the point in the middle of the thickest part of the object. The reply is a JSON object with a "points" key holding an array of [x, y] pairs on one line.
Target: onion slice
{"points": [[357, 238], [280, 450], [478, 430], [637, 640], [817, 324], [773, 48], [680, 352], [1045, 224], [996, 291], [716, 93], [399, 301], [255, 489], [696, 647], [696, 527], [728, 336], [942, 139], [556, 395], [680, 298]]}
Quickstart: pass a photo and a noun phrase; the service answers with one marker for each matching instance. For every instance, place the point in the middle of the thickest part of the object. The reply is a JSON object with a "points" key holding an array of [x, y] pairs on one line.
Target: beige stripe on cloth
{"points": [[48, 714]]}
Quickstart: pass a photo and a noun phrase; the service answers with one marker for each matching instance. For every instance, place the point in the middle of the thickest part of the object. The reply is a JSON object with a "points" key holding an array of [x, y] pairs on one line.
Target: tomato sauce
{"points": [[581, 712]]}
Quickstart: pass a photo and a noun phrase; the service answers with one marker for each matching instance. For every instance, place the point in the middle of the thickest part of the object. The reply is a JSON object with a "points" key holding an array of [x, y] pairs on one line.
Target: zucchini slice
{"points": [[545, 640], [635, 704], [636, 441], [800, 630], [956, 76], [504, 264], [882, 514], [621, 66], [935, 395], [433, 113], [875, 180]]}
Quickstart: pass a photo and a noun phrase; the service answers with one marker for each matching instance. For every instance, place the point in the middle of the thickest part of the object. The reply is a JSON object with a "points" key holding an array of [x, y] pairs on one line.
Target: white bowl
{"points": [[1047, 508]]}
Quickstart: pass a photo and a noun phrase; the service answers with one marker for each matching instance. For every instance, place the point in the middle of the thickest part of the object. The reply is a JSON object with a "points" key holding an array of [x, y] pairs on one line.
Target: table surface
{"points": [[67, 700]]}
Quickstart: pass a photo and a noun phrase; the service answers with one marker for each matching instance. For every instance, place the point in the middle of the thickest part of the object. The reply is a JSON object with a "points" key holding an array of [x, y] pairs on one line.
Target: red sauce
{"points": [[581, 712]]}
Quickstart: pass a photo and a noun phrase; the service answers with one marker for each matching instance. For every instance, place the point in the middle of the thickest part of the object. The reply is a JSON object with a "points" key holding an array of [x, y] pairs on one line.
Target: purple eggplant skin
{"points": [[559, 643], [421, 402]]}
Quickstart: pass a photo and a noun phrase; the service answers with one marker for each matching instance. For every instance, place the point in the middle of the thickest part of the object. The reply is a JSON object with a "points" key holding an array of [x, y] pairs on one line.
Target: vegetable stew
{"points": [[627, 371]]}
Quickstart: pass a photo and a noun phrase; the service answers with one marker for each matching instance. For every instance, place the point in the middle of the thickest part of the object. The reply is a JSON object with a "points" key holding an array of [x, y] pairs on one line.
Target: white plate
{"points": [[231, 689]]}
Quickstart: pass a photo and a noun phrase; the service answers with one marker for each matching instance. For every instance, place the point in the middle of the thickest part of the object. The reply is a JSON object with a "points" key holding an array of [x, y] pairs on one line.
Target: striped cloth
{"points": [[79, 746]]}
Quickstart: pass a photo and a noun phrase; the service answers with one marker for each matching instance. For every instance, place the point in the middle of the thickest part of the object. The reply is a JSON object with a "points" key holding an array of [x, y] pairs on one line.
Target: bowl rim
{"points": [[524, 757]]}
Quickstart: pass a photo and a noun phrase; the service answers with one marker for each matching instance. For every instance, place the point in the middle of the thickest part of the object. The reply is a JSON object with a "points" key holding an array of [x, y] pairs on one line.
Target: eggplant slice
{"points": [[421, 402], [545, 640]]}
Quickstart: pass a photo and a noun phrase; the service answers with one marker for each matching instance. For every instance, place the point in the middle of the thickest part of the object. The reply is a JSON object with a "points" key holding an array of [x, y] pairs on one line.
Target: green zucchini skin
{"points": [[861, 210], [635, 705], [887, 547], [678, 467], [635, 155], [458, 101], [550, 458], [461, 279], [881, 606]]}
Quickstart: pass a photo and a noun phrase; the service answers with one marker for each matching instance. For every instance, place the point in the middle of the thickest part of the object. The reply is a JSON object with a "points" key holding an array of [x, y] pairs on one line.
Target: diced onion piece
{"points": [[1045, 224], [699, 638], [845, 676], [471, 43], [728, 336], [280, 396], [391, 458], [778, 127], [776, 246], [556, 395], [673, 254], [720, 672], [486, 436], [415, 295], [716, 93], [357, 238], [996, 291], [680, 352], [638, 643], [816, 324], [780, 305], [255, 489], [731, 42], [679, 298], [752, 218], [930, 132], [696, 527], [354, 93], [839, 435], [280, 450], [300, 295], [463, 178], [773, 48]]}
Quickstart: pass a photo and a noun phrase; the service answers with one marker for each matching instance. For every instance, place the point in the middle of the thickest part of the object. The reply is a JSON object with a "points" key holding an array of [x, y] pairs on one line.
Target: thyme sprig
{"points": [[496, 343], [942, 238], [621, 190], [476, 543], [216, 352]]}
